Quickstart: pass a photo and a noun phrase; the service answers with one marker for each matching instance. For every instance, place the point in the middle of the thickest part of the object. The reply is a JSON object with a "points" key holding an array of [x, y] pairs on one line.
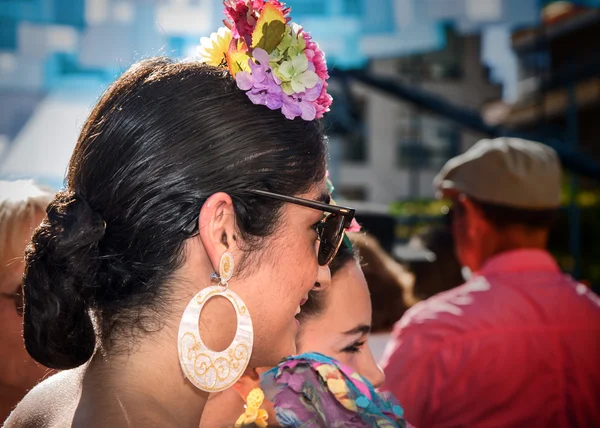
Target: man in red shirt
{"points": [[518, 345]]}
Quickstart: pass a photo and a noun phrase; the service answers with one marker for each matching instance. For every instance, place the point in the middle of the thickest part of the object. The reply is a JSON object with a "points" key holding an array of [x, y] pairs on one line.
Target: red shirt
{"points": [[516, 346]]}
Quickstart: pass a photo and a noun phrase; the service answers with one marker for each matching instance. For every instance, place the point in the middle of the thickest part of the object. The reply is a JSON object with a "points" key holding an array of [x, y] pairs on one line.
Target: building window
{"points": [[354, 147], [435, 66], [427, 142], [414, 154], [351, 193]]}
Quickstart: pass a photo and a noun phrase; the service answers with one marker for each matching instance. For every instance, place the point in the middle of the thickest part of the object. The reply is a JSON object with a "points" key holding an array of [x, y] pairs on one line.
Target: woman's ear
{"points": [[217, 227]]}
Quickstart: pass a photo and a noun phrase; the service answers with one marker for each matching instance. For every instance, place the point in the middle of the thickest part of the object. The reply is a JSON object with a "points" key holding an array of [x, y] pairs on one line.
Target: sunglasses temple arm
{"points": [[348, 219]]}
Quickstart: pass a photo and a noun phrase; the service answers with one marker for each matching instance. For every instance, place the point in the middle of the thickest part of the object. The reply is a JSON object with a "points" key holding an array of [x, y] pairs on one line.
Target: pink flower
{"points": [[323, 103], [262, 86], [243, 14], [316, 56], [354, 226]]}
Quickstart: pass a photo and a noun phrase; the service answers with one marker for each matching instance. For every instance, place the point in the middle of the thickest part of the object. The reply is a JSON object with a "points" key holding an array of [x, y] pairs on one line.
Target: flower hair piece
{"points": [[273, 60]]}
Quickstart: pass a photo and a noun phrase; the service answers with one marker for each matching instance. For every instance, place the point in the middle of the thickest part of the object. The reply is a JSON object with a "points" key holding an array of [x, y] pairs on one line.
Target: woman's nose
{"points": [[377, 377], [372, 371]]}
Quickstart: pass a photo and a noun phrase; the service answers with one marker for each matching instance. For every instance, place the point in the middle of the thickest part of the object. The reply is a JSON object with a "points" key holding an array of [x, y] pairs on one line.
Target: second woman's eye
{"points": [[354, 348]]}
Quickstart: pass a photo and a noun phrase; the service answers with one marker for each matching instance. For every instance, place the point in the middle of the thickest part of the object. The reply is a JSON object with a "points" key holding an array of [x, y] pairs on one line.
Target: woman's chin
{"points": [[285, 347], [290, 349]]}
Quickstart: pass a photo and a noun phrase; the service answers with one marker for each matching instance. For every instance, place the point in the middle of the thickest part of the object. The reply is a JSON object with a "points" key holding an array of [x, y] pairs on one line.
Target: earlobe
{"points": [[249, 380]]}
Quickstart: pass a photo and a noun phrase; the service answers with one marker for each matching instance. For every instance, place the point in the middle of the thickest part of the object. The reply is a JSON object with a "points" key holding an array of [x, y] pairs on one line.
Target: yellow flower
{"points": [[337, 385], [326, 371], [253, 414], [255, 398], [212, 50]]}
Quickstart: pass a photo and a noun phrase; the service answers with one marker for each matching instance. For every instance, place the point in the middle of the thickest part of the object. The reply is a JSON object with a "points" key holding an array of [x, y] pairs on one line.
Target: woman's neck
{"points": [[150, 375]]}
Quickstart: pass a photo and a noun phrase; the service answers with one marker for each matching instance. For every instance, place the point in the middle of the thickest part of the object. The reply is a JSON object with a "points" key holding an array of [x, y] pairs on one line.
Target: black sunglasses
{"points": [[16, 297], [330, 231]]}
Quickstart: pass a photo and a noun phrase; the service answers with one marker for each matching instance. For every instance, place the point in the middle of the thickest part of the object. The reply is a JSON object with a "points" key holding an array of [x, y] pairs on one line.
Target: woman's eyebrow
{"points": [[362, 329]]}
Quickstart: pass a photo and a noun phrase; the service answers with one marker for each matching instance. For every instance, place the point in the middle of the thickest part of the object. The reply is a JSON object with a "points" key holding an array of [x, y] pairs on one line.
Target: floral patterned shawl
{"points": [[312, 390]]}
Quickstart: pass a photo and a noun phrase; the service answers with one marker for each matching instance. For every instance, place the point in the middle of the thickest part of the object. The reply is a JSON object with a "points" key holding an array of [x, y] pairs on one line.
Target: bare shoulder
{"points": [[63, 401], [125, 411], [49, 404]]}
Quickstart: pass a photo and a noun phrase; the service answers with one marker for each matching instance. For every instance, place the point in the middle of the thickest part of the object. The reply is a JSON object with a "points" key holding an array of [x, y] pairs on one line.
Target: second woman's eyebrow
{"points": [[362, 329]]}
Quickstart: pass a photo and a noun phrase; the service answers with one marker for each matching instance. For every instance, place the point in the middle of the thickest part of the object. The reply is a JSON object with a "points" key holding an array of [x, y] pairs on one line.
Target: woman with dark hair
{"points": [[180, 189]]}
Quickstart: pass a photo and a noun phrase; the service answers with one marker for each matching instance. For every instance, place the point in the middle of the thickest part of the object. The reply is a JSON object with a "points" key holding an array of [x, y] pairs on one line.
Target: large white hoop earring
{"points": [[209, 370]]}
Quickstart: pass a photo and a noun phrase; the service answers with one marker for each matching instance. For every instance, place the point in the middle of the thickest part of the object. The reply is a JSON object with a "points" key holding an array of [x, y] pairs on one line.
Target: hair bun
{"points": [[79, 224], [60, 282]]}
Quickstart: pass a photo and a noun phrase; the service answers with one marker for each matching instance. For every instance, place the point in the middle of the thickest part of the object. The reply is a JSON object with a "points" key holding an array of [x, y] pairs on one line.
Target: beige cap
{"points": [[505, 171]]}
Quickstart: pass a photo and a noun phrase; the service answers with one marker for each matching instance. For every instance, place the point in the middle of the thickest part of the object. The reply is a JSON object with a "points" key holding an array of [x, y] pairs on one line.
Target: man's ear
{"points": [[476, 220]]}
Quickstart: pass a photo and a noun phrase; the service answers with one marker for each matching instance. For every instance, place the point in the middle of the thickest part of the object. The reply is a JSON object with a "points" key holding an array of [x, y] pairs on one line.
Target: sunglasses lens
{"points": [[331, 238]]}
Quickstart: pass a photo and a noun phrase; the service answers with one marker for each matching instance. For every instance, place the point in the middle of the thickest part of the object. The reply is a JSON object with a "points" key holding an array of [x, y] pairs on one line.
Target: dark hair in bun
{"points": [[162, 139]]}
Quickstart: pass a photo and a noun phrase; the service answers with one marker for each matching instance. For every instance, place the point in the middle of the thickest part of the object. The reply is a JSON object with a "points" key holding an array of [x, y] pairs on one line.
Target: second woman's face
{"points": [[342, 329]]}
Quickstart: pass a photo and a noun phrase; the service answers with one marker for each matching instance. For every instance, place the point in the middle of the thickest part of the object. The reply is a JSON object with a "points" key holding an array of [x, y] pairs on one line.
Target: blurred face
{"points": [[474, 238], [461, 241], [18, 370], [342, 329]]}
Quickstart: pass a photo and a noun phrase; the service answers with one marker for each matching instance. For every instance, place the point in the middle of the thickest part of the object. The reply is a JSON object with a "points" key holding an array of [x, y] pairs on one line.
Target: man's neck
{"points": [[518, 238]]}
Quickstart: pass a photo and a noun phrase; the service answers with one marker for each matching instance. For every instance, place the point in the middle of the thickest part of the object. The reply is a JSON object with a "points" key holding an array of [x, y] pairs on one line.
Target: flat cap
{"points": [[505, 171]]}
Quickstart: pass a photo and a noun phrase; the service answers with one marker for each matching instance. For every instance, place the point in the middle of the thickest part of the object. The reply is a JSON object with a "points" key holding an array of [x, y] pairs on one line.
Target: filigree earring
{"points": [[209, 370]]}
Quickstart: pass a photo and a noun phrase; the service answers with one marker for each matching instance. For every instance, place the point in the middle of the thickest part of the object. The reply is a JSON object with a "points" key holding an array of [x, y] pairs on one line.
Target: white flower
{"points": [[213, 50]]}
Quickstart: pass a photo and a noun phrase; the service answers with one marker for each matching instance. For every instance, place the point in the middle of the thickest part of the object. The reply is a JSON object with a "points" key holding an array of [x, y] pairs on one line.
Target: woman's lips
{"points": [[303, 301]]}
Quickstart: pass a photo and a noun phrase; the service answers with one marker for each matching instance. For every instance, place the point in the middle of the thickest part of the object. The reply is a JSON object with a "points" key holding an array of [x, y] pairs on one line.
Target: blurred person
{"points": [[22, 208], [186, 183], [443, 272], [519, 343], [388, 281]]}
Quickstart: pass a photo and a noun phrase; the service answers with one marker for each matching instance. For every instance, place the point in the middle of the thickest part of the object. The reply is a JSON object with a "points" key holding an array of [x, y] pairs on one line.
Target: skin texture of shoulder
{"points": [[45, 405], [58, 403]]}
